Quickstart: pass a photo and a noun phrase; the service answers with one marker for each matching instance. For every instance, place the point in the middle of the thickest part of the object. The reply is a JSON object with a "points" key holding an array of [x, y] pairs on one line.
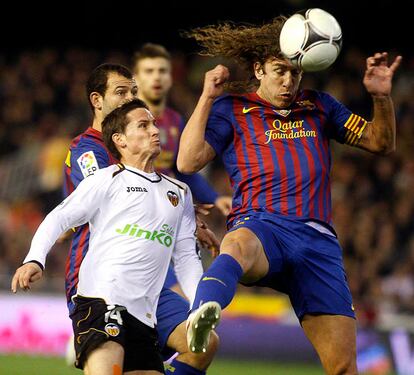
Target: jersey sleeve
{"points": [[344, 126], [203, 191], [219, 130], [187, 263], [77, 209], [86, 159]]}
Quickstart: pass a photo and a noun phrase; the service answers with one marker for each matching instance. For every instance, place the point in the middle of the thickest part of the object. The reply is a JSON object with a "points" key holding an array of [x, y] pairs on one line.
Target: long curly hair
{"points": [[243, 43]]}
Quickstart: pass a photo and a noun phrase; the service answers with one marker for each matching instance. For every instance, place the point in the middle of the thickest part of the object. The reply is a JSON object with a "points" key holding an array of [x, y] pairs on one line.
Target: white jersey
{"points": [[138, 222]]}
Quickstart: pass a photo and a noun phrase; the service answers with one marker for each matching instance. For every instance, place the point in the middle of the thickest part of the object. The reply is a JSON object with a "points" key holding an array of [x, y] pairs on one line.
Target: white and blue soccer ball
{"points": [[311, 39]]}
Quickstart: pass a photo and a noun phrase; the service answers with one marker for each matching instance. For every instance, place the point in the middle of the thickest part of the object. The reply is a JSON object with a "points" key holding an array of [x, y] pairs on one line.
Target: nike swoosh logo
{"points": [[206, 278], [247, 110]]}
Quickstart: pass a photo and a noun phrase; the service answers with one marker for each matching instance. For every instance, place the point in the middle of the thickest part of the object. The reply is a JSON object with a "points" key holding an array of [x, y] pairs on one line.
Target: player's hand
{"points": [[223, 203], [207, 238], [214, 81], [24, 275], [203, 208], [378, 75]]}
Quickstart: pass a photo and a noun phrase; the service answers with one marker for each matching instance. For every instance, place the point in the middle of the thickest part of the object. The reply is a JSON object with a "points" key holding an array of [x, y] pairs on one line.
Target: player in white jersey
{"points": [[139, 220]]}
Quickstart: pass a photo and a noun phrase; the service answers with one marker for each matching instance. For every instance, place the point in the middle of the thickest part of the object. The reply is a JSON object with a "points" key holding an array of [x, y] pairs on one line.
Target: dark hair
{"points": [[98, 79], [116, 122], [150, 50], [243, 43]]}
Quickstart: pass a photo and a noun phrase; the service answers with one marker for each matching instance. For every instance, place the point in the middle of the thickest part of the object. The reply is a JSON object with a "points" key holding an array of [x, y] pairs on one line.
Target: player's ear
{"points": [[258, 70], [119, 140], [96, 100]]}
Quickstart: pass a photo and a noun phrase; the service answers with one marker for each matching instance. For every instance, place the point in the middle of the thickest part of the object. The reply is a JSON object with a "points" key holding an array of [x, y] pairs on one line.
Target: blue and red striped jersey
{"points": [[170, 125], [279, 160], [86, 154]]}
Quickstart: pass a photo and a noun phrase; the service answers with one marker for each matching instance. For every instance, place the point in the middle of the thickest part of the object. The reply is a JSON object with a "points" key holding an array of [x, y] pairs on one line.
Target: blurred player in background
{"points": [[274, 141], [139, 220], [109, 86]]}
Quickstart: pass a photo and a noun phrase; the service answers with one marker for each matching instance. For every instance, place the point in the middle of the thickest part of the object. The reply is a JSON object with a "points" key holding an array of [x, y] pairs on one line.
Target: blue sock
{"points": [[181, 368], [219, 282]]}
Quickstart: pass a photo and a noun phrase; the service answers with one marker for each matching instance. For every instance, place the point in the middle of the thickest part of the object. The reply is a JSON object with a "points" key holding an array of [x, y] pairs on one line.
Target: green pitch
{"points": [[228, 367], [22, 365]]}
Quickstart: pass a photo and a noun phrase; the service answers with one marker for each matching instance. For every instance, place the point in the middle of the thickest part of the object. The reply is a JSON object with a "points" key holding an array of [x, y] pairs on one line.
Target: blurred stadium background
{"points": [[46, 56]]}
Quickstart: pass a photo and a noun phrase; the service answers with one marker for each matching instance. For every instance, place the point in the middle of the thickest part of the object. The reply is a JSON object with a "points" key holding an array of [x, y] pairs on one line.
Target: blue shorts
{"points": [[304, 263], [171, 279], [172, 310]]}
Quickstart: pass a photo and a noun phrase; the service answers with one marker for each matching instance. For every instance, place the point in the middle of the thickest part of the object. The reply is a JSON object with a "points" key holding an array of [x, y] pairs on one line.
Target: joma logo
{"points": [[138, 189]]}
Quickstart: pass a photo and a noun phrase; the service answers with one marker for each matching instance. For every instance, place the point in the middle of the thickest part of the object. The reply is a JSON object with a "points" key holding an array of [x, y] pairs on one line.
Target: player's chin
{"points": [[283, 101], [156, 149], [157, 96]]}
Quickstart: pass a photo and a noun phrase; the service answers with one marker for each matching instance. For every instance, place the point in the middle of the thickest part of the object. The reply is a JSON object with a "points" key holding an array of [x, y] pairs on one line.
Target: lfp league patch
{"points": [[87, 163]]}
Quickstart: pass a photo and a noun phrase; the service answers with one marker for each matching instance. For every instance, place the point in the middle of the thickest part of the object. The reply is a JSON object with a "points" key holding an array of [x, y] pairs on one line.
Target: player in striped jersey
{"points": [[108, 86], [274, 142], [139, 220]]}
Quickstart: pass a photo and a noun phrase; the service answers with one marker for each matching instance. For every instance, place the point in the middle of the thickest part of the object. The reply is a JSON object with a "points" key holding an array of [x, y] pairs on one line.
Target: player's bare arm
{"points": [[223, 203], [379, 134], [194, 152], [25, 275]]}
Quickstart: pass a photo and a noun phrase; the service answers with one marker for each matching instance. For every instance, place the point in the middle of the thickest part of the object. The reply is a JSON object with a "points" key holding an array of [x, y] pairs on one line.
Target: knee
{"points": [[345, 365], [243, 247], [202, 361], [213, 345]]}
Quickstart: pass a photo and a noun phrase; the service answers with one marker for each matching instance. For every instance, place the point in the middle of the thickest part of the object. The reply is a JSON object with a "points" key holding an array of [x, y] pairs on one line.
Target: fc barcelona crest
{"points": [[173, 198], [282, 112]]}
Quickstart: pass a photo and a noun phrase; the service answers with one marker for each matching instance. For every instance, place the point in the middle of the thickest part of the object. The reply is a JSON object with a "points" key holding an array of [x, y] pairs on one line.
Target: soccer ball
{"points": [[311, 39]]}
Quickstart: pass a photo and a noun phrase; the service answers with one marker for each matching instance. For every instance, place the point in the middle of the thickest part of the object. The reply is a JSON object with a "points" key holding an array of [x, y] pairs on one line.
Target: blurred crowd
{"points": [[43, 105]]}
